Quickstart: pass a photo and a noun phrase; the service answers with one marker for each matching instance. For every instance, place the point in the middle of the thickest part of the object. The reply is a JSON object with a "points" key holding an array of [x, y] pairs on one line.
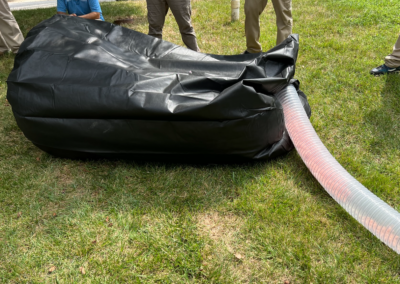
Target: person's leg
{"points": [[3, 45], [284, 20], [252, 11], [10, 34], [393, 60], [156, 12], [182, 11]]}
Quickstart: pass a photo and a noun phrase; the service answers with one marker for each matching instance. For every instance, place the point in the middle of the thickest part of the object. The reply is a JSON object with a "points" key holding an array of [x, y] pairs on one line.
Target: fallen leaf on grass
{"points": [[238, 256], [19, 214], [286, 282], [54, 214], [38, 159], [51, 269], [94, 242], [110, 224], [107, 219], [82, 270]]}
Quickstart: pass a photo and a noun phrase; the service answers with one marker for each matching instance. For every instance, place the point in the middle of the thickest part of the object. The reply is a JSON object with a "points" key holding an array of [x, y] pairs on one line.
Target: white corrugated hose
{"points": [[374, 214]]}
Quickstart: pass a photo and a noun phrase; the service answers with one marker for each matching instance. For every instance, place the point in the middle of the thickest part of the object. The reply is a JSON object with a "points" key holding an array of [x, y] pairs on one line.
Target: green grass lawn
{"points": [[270, 222]]}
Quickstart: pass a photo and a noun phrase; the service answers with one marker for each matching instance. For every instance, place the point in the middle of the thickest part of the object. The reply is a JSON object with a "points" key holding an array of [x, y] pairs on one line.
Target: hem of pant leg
{"points": [[391, 65], [155, 35], [252, 51]]}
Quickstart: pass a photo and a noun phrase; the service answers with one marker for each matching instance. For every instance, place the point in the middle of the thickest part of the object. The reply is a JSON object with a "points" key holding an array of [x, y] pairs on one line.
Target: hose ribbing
{"points": [[374, 214]]}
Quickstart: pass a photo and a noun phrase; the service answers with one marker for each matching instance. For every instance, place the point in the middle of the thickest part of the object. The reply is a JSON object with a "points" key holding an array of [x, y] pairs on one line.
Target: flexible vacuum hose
{"points": [[374, 214]]}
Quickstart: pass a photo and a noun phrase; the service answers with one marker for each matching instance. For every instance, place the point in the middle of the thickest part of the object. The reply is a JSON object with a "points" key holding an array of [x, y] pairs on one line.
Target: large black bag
{"points": [[83, 88]]}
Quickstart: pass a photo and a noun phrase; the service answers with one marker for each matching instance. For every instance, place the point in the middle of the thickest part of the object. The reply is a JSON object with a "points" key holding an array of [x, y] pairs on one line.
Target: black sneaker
{"points": [[383, 69]]}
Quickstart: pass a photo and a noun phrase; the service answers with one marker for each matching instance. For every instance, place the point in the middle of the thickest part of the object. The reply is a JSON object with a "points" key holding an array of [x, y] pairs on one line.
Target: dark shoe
{"points": [[246, 52], [383, 69]]}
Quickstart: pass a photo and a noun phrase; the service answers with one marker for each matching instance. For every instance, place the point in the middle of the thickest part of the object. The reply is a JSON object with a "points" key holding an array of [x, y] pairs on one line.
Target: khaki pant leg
{"points": [[3, 44], [252, 11], [393, 60], [284, 20], [182, 11], [156, 12], [10, 34]]}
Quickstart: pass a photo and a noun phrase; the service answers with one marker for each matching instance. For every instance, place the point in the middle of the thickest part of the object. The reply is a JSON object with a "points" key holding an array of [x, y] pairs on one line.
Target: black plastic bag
{"points": [[83, 88]]}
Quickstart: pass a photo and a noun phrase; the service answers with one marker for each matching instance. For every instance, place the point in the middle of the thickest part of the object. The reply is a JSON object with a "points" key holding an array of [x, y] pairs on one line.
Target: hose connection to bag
{"points": [[368, 209]]}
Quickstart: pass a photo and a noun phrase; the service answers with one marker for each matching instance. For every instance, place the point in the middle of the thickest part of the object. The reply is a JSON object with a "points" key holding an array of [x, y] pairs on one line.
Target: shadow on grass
{"points": [[125, 10], [384, 121], [172, 186]]}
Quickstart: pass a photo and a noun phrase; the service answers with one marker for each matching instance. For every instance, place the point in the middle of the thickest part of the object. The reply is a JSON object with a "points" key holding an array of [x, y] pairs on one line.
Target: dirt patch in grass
{"points": [[230, 249], [220, 228], [64, 176], [225, 246]]}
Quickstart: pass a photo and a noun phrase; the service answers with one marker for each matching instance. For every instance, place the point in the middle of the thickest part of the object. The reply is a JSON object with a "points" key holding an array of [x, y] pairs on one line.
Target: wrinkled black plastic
{"points": [[83, 88]]}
